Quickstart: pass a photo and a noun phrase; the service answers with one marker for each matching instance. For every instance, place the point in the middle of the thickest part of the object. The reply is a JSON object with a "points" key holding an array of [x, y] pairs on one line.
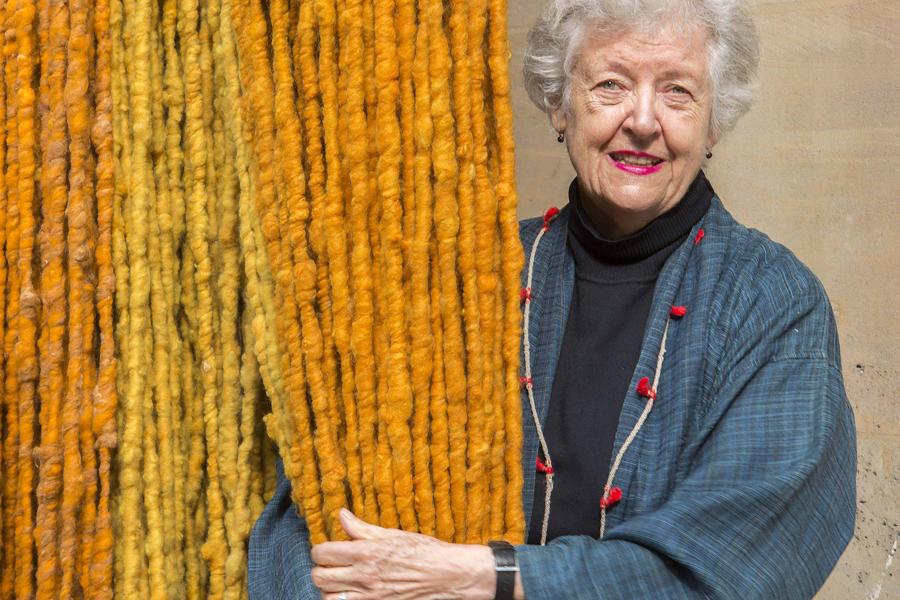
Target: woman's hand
{"points": [[381, 563]]}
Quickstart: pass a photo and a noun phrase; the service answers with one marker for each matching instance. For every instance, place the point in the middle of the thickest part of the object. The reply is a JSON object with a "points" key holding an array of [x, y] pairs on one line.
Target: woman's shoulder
{"points": [[766, 291], [752, 258]]}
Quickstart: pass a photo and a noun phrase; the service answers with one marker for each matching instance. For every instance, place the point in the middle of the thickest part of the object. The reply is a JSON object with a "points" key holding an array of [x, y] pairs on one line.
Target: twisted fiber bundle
{"points": [[7, 409], [22, 365], [429, 502], [10, 304], [79, 466], [212, 210], [357, 340], [56, 287], [392, 241], [477, 448], [513, 260], [53, 379], [194, 297], [446, 225], [104, 393]]}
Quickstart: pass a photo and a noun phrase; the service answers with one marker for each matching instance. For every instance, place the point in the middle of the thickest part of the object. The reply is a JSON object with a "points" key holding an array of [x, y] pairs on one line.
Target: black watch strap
{"points": [[506, 566]]}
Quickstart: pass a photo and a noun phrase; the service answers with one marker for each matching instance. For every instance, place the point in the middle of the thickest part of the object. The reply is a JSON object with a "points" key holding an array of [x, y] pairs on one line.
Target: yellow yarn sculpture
{"points": [[235, 230]]}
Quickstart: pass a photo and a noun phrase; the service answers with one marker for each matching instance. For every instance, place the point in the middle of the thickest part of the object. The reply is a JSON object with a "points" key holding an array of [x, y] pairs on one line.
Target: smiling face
{"points": [[638, 124]]}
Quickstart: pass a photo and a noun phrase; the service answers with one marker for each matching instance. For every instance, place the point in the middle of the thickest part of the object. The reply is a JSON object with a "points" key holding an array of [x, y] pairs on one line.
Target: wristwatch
{"points": [[506, 567]]}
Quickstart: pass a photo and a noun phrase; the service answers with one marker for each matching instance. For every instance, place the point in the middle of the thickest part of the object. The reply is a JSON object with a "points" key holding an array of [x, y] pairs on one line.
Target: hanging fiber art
{"points": [[234, 231]]}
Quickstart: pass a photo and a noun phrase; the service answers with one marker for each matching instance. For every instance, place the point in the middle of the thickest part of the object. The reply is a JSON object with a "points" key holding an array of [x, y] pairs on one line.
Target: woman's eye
{"points": [[677, 89], [609, 84]]}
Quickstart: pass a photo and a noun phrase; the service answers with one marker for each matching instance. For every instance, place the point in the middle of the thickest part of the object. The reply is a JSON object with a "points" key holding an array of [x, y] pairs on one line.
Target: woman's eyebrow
{"points": [[593, 68], [590, 70], [675, 73], [612, 64]]}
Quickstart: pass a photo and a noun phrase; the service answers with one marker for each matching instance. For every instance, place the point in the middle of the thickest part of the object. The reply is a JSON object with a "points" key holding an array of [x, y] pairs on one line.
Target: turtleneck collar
{"points": [[643, 252]]}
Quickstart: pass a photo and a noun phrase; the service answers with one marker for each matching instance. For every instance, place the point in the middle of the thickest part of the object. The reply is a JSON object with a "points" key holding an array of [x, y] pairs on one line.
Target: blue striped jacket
{"points": [[741, 483]]}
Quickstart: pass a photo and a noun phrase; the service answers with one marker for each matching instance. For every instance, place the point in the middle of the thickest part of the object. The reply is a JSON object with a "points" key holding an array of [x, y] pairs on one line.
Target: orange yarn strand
{"points": [[104, 394], [362, 326], [440, 434], [399, 401], [9, 220], [257, 77], [421, 307], [512, 262], [55, 404], [486, 243], [446, 230], [477, 449], [77, 466], [297, 208], [23, 365]]}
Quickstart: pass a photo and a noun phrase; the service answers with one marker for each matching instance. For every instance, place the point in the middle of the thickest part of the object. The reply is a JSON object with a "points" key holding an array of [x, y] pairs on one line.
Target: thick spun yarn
{"points": [[234, 230], [58, 367]]}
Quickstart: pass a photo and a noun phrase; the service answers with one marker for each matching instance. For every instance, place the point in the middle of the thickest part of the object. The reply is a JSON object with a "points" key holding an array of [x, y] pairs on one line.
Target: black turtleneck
{"points": [[614, 284]]}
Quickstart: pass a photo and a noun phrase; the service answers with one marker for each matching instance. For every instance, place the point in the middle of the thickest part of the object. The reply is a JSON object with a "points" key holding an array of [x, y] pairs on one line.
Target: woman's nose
{"points": [[642, 120]]}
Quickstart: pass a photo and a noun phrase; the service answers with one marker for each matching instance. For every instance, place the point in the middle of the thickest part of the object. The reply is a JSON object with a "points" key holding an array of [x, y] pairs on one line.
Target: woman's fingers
{"points": [[336, 579], [341, 554], [400, 565], [363, 582], [345, 595], [358, 529]]}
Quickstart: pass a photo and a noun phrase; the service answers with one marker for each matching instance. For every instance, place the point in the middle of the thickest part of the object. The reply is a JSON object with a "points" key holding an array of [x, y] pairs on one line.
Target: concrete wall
{"points": [[816, 165]]}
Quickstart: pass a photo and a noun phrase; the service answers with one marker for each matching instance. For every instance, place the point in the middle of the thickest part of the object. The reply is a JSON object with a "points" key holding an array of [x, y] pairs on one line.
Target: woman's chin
{"points": [[619, 213]]}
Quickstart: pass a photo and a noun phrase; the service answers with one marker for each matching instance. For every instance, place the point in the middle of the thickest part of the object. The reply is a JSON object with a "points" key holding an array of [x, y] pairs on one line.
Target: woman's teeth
{"points": [[631, 159]]}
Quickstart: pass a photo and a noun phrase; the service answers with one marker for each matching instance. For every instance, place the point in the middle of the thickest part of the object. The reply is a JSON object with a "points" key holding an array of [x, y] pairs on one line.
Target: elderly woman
{"points": [[684, 403]]}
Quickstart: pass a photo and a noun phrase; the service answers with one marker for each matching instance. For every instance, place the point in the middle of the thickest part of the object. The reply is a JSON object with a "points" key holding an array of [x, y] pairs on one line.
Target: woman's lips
{"points": [[636, 163]]}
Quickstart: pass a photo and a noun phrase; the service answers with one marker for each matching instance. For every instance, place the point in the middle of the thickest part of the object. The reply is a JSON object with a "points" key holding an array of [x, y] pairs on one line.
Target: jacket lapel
{"points": [[551, 291]]}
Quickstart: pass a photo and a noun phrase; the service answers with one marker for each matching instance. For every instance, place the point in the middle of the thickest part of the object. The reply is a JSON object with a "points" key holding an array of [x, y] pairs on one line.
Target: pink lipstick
{"points": [[646, 164]]}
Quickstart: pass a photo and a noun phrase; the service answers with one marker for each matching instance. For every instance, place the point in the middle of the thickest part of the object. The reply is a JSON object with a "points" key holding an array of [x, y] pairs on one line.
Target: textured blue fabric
{"points": [[741, 484], [278, 559]]}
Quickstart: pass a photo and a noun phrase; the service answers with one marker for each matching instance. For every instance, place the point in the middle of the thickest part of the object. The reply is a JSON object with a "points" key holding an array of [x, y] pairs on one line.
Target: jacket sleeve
{"points": [[766, 503], [278, 561]]}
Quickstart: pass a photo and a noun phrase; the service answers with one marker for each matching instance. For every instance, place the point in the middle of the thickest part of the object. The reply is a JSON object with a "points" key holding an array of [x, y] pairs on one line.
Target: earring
{"points": [[561, 137], [708, 154]]}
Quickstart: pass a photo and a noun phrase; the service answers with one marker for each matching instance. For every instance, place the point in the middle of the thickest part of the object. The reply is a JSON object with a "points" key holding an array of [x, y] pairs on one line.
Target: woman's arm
{"points": [[765, 512], [389, 563], [281, 566]]}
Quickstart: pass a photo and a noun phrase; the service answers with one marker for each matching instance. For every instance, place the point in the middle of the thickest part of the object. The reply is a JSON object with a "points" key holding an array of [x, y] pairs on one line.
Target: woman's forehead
{"points": [[668, 52]]}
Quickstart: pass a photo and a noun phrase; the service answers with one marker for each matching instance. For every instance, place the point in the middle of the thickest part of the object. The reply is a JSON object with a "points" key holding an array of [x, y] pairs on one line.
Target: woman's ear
{"points": [[558, 120], [712, 139]]}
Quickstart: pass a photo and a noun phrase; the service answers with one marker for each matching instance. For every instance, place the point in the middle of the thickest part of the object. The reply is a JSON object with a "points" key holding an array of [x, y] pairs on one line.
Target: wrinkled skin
{"points": [[388, 563]]}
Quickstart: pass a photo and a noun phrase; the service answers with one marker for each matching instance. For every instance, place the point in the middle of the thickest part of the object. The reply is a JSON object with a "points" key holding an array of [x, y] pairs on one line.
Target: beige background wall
{"points": [[816, 165]]}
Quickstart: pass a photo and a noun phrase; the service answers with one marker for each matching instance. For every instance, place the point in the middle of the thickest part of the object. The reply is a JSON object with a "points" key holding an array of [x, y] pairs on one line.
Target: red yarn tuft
{"points": [[678, 311], [526, 381], [542, 467], [699, 237], [525, 295], [644, 389], [612, 498], [551, 214]]}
